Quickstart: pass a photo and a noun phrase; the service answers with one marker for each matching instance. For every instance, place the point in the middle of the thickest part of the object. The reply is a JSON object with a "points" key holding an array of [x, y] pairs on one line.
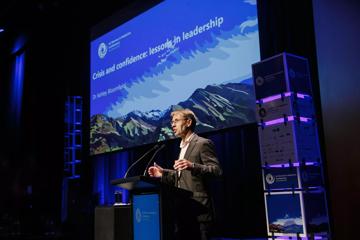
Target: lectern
{"points": [[157, 208]]}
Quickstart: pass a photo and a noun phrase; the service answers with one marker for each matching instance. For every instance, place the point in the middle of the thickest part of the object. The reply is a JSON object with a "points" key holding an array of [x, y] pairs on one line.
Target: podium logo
{"points": [[138, 215], [102, 50], [270, 179]]}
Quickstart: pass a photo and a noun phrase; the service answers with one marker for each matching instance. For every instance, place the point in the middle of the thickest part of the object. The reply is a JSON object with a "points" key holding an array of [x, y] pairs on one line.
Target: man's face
{"points": [[180, 125]]}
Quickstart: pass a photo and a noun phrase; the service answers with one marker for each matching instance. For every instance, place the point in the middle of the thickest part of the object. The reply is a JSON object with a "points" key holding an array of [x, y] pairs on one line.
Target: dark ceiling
{"points": [[23, 14], [26, 17]]}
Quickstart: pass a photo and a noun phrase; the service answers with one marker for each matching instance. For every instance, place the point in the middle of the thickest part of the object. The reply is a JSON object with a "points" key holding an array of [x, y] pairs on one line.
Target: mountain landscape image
{"points": [[216, 107]]}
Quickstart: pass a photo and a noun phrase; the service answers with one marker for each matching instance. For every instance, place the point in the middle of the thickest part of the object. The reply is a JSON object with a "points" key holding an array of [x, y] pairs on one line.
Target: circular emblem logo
{"points": [[102, 50], [259, 81], [138, 215], [269, 178]]}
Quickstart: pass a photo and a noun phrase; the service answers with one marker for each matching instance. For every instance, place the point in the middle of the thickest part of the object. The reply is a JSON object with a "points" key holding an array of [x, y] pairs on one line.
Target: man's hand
{"points": [[183, 164], [155, 171]]}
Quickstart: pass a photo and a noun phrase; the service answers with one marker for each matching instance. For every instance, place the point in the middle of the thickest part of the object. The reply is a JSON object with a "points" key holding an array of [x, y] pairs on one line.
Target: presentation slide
{"points": [[179, 54]]}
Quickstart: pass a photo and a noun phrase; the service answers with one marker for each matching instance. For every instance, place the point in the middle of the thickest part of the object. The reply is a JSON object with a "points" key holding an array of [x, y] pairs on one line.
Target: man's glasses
{"points": [[175, 121]]}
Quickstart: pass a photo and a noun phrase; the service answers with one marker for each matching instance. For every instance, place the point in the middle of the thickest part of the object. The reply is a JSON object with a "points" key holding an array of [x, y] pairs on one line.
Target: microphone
{"points": [[152, 158], [145, 154], [177, 179]]}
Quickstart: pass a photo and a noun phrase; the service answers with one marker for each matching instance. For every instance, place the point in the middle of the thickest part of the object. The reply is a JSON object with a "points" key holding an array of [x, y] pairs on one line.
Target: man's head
{"points": [[183, 121]]}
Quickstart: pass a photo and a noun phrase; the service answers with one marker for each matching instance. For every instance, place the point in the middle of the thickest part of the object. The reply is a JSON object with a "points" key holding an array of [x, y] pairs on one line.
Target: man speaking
{"points": [[197, 162]]}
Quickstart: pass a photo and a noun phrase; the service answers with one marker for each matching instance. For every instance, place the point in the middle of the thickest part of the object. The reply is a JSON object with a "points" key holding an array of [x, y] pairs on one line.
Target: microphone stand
{"points": [[152, 158], [145, 154]]}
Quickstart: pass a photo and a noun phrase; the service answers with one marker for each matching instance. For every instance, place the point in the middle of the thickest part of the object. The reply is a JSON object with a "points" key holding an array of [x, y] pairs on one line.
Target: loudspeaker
{"points": [[113, 223]]}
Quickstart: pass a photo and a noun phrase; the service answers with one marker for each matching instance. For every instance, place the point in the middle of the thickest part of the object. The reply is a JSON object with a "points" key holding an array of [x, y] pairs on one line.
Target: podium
{"points": [[160, 211]]}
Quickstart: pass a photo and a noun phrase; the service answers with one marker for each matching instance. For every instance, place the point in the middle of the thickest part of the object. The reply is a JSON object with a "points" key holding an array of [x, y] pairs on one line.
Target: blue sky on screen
{"points": [[284, 209], [222, 52]]}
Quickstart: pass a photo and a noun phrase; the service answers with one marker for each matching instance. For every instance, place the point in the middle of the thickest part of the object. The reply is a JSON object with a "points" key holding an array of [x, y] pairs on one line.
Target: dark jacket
{"points": [[201, 152]]}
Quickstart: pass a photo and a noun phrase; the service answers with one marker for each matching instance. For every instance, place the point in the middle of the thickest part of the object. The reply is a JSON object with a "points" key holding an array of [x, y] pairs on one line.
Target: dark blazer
{"points": [[201, 152]]}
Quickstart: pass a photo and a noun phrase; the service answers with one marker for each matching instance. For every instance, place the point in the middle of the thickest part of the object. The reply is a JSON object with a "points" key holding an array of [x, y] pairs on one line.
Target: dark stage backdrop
{"points": [[337, 40], [58, 66], [238, 195], [283, 27]]}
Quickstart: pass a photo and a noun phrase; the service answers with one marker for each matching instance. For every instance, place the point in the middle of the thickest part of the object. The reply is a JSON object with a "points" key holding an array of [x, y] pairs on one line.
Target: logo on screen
{"points": [[102, 50], [138, 215], [270, 179]]}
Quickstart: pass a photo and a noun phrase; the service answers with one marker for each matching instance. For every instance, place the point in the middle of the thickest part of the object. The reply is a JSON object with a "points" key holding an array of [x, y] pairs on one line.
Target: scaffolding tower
{"points": [[73, 137], [72, 149]]}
